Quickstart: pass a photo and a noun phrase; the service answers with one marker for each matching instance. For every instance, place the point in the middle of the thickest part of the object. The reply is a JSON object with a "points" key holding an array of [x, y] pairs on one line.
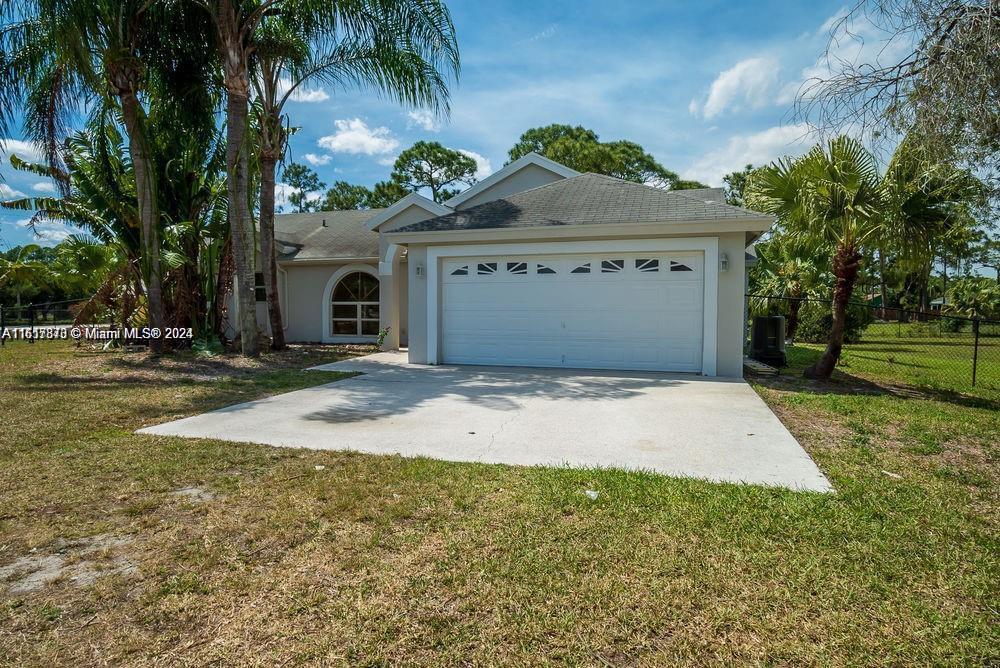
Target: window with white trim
{"points": [[582, 269], [354, 305], [677, 266], [519, 268], [486, 268], [612, 266], [647, 266]]}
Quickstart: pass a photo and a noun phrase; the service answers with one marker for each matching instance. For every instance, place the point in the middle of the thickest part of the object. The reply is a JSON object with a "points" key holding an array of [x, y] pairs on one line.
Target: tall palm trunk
{"points": [[237, 166], [236, 79], [125, 80], [268, 162], [794, 304], [846, 263], [223, 288]]}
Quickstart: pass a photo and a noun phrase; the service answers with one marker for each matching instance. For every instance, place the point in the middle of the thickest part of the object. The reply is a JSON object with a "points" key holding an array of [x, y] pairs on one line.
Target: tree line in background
{"points": [[443, 172]]}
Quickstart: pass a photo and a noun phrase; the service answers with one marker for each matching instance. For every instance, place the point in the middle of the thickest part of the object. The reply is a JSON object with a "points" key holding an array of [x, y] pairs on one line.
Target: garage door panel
{"points": [[618, 319]]}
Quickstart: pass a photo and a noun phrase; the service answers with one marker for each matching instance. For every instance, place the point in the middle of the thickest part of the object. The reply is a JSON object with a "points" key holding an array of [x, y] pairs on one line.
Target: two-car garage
{"points": [[604, 310]]}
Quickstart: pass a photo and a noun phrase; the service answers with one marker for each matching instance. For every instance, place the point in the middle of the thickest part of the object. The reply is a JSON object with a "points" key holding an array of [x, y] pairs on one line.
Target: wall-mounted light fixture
{"points": [[420, 271], [723, 262]]}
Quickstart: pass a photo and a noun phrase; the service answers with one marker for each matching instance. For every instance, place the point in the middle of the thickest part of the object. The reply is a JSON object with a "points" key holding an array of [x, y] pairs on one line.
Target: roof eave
{"points": [[326, 260]]}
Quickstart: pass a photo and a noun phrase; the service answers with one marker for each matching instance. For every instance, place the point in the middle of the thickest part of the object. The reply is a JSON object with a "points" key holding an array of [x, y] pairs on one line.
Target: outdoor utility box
{"points": [[767, 340]]}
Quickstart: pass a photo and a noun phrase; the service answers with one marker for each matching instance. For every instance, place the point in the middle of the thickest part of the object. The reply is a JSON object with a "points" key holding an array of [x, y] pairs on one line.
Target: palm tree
{"points": [[288, 58], [928, 212], [428, 31], [783, 270], [60, 53], [100, 199], [23, 269], [831, 197]]}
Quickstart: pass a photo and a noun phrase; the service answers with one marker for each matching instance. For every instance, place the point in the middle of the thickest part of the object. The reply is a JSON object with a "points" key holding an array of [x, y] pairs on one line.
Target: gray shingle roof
{"points": [[589, 199], [717, 195], [345, 235]]}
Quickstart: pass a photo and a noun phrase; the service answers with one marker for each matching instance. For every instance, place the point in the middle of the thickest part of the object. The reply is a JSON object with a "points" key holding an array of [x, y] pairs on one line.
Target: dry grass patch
{"points": [[246, 554]]}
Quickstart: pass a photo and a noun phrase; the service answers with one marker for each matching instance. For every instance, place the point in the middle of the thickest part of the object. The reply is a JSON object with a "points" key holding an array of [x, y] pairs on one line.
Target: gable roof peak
{"points": [[413, 199], [509, 169]]}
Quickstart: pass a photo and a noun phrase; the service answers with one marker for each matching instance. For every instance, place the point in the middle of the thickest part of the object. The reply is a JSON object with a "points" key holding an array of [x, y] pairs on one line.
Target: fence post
{"points": [[31, 323], [975, 349]]}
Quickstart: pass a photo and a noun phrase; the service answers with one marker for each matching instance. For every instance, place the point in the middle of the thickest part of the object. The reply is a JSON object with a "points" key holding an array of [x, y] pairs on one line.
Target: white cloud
{"points": [[693, 107], [44, 187], [388, 162], [282, 192], [757, 149], [749, 82], [23, 149], [49, 232], [354, 136], [302, 93], [483, 166], [832, 22], [549, 31], [424, 119], [854, 42], [317, 160], [6, 192]]}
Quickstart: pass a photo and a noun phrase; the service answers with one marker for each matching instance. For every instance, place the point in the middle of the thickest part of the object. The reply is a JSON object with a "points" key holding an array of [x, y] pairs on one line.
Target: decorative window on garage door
{"points": [[355, 305]]}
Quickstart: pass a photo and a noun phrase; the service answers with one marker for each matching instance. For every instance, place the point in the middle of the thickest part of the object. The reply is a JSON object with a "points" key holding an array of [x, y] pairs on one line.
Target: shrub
{"points": [[974, 297], [816, 320], [953, 325]]}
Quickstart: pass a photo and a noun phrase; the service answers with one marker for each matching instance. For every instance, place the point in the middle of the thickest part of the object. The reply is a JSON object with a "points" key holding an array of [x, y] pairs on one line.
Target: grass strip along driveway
{"points": [[121, 548]]}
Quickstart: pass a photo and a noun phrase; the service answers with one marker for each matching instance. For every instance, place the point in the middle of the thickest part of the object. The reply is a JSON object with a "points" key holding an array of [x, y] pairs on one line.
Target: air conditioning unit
{"points": [[767, 340]]}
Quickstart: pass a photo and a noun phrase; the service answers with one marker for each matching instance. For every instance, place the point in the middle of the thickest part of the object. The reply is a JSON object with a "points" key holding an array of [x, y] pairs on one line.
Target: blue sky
{"points": [[704, 86]]}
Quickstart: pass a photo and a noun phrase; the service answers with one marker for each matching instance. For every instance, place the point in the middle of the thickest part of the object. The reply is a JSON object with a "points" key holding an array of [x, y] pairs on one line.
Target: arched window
{"points": [[355, 305]]}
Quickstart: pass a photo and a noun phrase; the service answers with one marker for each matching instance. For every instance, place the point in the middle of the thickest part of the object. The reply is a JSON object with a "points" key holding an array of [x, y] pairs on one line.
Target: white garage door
{"points": [[608, 311]]}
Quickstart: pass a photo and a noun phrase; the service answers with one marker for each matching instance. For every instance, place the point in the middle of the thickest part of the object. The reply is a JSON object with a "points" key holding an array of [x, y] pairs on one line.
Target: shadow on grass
{"points": [[843, 383], [883, 360]]}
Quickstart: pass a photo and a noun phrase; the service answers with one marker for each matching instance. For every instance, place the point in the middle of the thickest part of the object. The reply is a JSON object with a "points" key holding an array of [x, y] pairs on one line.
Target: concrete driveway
{"points": [[677, 424]]}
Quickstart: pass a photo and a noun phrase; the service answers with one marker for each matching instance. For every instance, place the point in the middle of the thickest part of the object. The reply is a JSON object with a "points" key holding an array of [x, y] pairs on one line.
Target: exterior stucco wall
{"points": [[417, 304], [730, 341], [729, 351], [530, 176], [304, 302]]}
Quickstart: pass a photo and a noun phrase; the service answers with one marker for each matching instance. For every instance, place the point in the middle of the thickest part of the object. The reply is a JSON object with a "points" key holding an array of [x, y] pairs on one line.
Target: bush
{"points": [[816, 320], [953, 325], [974, 297]]}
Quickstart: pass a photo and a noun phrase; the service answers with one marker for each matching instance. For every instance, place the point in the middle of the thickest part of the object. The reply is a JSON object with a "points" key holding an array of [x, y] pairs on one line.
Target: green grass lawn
{"points": [[921, 354], [173, 551]]}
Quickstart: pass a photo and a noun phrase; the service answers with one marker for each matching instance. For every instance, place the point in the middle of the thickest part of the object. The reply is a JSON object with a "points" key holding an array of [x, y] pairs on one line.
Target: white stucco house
{"points": [[536, 265]]}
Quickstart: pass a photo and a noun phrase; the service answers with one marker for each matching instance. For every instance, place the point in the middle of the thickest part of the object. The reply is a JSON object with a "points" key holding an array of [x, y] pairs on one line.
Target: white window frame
{"points": [[709, 246], [331, 284]]}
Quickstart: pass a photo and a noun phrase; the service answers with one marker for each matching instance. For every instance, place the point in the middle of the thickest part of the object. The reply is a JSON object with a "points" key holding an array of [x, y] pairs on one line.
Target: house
{"points": [[536, 265]]}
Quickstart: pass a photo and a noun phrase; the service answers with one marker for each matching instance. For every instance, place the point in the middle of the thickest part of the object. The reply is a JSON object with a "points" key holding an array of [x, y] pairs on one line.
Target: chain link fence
{"points": [[935, 349], [22, 323]]}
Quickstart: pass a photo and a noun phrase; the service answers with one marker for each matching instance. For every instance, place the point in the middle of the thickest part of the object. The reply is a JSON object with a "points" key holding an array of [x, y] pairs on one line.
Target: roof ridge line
{"points": [[718, 204]]}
